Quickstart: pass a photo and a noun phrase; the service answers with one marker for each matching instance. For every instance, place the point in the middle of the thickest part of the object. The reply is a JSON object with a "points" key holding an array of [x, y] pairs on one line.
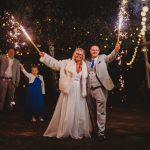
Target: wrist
{"points": [[116, 50], [42, 58]]}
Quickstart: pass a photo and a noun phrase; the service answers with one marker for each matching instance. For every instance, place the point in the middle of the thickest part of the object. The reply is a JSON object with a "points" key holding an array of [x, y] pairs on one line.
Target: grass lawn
{"points": [[127, 129]]}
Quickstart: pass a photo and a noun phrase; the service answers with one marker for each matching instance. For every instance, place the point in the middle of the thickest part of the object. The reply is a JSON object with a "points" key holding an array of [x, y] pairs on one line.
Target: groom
{"points": [[99, 83]]}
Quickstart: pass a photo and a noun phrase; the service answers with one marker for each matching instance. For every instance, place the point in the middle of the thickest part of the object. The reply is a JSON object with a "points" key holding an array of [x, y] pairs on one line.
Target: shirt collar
{"points": [[10, 58], [95, 59]]}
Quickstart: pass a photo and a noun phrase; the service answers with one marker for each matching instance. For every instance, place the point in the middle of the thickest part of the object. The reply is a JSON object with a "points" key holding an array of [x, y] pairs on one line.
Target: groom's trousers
{"points": [[96, 101], [7, 90]]}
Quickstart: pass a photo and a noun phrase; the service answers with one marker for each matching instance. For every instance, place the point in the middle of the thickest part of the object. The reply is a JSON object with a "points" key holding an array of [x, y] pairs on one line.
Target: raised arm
{"points": [[50, 61], [109, 58], [0, 57], [24, 71], [148, 66]]}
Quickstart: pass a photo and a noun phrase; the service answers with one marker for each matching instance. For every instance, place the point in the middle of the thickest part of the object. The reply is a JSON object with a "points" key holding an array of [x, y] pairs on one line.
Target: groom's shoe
{"points": [[94, 134], [102, 137]]}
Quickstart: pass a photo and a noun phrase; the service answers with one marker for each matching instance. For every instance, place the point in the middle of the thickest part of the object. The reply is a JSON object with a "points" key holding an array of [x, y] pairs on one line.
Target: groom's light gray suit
{"points": [[99, 83], [8, 85]]}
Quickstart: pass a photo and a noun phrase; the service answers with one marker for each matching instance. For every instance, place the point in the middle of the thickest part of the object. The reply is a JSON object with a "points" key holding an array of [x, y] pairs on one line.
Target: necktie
{"points": [[92, 64]]}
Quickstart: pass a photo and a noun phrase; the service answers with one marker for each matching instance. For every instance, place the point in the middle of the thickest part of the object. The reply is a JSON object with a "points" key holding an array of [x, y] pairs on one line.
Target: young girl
{"points": [[35, 91]]}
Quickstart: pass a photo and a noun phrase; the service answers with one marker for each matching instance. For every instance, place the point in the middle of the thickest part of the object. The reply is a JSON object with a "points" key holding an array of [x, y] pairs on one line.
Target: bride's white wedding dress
{"points": [[71, 117]]}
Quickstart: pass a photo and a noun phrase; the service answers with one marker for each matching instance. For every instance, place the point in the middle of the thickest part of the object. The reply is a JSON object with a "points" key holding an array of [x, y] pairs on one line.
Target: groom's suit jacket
{"points": [[102, 79], [102, 71], [15, 69]]}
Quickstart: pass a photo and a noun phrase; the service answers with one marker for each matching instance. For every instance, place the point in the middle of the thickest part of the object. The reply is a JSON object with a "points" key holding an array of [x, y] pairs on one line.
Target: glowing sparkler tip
{"points": [[13, 30], [120, 21], [123, 17]]}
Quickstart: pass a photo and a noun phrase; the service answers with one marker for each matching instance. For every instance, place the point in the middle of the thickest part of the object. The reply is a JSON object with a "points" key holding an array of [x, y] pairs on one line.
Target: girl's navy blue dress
{"points": [[35, 100]]}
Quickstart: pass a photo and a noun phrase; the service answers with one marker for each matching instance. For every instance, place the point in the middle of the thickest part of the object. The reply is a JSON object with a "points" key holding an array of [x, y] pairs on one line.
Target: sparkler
{"points": [[29, 38], [15, 30], [119, 29], [123, 16]]}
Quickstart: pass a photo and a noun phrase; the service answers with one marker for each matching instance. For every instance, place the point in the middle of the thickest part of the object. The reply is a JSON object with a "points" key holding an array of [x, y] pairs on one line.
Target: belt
{"points": [[6, 78], [93, 88]]}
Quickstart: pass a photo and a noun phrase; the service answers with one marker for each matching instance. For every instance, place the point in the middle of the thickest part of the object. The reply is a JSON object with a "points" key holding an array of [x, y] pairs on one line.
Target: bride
{"points": [[71, 116]]}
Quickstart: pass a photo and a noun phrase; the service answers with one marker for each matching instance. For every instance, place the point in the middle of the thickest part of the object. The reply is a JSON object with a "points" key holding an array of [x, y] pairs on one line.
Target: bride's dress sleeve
{"points": [[84, 79], [51, 62]]}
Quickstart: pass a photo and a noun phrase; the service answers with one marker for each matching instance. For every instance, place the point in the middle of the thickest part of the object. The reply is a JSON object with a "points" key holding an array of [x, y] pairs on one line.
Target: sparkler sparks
{"points": [[28, 37], [121, 83], [123, 17], [14, 32]]}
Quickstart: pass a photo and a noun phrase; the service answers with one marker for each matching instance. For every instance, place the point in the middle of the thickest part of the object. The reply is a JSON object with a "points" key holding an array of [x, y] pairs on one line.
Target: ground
{"points": [[127, 129]]}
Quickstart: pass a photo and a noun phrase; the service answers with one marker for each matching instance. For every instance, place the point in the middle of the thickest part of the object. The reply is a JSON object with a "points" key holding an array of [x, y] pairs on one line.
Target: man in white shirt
{"points": [[8, 72], [9, 78]]}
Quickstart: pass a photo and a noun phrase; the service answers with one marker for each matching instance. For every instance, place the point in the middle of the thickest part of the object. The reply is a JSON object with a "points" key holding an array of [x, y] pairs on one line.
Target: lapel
{"points": [[13, 66], [6, 63], [98, 62], [88, 65], [96, 65]]}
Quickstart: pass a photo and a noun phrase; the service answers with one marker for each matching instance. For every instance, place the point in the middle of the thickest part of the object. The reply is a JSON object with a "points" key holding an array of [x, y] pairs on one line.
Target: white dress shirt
{"points": [[8, 72], [95, 60]]}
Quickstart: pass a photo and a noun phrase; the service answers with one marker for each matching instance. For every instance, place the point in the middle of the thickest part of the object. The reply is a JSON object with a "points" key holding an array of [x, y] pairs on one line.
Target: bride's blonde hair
{"points": [[78, 49]]}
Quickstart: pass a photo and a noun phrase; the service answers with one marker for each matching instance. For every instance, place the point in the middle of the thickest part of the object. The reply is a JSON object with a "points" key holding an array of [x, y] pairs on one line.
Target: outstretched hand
{"points": [[147, 65], [21, 66], [41, 54], [117, 47]]}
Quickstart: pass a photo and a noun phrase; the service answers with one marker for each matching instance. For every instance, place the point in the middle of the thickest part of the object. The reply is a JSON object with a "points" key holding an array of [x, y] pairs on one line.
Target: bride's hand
{"points": [[41, 54], [147, 64]]}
